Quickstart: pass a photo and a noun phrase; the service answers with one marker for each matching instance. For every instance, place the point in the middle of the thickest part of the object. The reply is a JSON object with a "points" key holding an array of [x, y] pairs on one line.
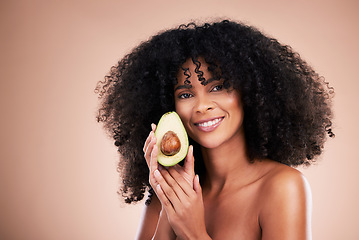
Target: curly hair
{"points": [[287, 105]]}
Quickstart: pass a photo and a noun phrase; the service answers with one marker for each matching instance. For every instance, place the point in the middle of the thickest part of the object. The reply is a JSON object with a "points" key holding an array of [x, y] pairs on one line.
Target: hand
{"points": [[180, 215], [149, 143], [150, 152], [182, 203], [164, 229]]}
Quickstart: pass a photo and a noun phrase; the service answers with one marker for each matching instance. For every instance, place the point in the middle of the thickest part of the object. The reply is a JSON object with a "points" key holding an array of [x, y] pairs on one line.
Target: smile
{"points": [[210, 125]]}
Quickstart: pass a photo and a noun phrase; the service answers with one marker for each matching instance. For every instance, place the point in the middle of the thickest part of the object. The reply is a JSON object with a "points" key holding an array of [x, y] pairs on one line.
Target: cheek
{"points": [[234, 104], [178, 108], [184, 112], [234, 101]]}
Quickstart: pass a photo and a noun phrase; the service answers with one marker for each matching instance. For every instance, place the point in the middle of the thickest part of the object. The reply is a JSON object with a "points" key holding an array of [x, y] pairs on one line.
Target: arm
{"points": [[154, 223], [180, 194], [286, 213], [149, 219], [182, 203]]}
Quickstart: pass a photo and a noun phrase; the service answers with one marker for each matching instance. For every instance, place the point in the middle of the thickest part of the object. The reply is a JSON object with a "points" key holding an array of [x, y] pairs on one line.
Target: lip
{"points": [[203, 124]]}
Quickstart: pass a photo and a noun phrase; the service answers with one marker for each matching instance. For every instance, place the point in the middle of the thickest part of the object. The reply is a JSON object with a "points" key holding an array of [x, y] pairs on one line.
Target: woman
{"points": [[252, 109]]}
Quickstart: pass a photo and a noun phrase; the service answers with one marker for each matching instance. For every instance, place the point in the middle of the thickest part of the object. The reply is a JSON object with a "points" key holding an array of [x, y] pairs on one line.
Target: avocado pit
{"points": [[170, 144]]}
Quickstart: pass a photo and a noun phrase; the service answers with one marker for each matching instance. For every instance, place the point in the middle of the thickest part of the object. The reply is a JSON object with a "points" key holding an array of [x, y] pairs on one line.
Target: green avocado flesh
{"points": [[171, 127]]}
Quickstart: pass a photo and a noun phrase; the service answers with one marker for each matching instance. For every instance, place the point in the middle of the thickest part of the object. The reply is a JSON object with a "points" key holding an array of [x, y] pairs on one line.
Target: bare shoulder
{"points": [[281, 178], [286, 204]]}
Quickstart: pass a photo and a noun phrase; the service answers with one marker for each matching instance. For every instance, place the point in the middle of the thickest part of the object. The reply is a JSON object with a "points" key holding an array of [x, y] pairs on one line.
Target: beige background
{"points": [[58, 176]]}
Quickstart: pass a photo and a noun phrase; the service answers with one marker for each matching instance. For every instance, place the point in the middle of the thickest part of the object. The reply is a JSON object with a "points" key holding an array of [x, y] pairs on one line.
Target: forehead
{"points": [[195, 65], [194, 70], [190, 62]]}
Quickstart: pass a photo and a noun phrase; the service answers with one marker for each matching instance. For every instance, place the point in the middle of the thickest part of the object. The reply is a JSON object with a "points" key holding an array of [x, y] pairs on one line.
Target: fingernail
{"points": [[157, 173]]}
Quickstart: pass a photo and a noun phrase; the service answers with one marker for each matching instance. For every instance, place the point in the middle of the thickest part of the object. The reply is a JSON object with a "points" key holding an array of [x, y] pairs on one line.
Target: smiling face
{"points": [[211, 114]]}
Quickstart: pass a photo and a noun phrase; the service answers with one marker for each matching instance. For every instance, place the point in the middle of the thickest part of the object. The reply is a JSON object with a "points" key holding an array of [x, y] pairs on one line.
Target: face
{"points": [[212, 115]]}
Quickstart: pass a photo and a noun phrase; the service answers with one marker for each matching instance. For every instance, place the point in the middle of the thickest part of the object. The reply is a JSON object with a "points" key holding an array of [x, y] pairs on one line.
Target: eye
{"points": [[217, 88], [185, 95]]}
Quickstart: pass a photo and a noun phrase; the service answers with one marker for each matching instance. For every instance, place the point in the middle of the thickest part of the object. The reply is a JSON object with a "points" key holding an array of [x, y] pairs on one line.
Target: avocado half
{"points": [[171, 127]]}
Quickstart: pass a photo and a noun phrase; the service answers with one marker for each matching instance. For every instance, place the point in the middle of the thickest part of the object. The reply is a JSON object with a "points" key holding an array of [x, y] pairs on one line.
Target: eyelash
{"points": [[220, 88], [182, 96], [188, 95]]}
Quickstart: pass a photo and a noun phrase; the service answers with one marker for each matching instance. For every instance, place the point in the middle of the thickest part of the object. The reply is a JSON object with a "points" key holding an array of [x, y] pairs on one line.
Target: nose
{"points": [[204, 104]]}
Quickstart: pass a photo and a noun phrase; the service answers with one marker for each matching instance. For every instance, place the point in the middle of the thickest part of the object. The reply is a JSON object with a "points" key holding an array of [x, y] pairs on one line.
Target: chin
{"points": [[207, 143]]}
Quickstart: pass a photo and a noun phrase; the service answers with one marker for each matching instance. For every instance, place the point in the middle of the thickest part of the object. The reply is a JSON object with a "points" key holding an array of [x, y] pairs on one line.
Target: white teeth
{"points": [[209, 123]]}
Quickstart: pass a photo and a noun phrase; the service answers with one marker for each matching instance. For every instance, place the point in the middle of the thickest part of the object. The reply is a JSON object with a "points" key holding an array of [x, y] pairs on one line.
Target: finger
{"points": [[189, 161], [182, 181], [187, 171], [149, 149], [165, 202], [148, 140], [169, 186], [153, 166], [178, 185], [196, 185]]}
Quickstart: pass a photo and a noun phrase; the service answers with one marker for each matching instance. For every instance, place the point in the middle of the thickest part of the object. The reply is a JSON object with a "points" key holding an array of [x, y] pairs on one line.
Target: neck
{"points": [[227, 166]]}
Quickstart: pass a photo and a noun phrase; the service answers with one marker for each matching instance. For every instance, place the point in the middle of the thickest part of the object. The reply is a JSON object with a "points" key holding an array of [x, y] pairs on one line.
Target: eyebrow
{"points": [[205, 82], [186, 86]]}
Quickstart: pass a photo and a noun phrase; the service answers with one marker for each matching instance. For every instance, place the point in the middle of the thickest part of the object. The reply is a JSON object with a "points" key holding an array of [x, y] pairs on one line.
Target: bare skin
{"points": [[238, 199]]}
